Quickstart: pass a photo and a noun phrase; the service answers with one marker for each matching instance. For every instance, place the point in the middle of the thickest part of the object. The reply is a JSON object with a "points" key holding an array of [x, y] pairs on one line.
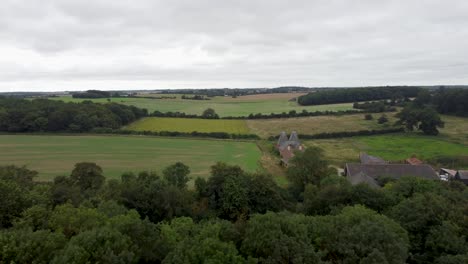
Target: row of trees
{"points": [[449, 101], [92, 94], [230, 217], [19, 115], [350, 95]]}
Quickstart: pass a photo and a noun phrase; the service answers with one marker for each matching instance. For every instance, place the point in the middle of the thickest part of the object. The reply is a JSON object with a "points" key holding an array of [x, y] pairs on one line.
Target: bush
{"points": [[382, 119]]}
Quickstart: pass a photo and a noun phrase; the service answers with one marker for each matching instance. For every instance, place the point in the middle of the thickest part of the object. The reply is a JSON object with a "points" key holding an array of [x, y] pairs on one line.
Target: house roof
{"points": [[368, 159], [282, 138], [286, 155], [294, 137], [448, 171], [414, 161], [363, 178], [356, 172], [462, 174]]}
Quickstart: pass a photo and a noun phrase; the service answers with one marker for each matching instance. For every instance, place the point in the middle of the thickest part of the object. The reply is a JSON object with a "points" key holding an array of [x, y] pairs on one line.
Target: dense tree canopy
{"points": [[19, 115], [230, 217], [350, 95]]}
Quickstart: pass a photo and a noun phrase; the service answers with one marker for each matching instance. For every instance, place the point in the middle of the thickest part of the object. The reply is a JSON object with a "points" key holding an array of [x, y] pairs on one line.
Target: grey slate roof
{"points": [[294, 137], [462, 174], [368, 159], [282, 138], [357, 173]]}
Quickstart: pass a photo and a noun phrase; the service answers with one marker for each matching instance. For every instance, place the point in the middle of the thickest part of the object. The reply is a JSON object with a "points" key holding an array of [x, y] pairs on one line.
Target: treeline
{"points": [[92, 94], [230, 217], [41, 115], [343, 134], [290, 114], [238, 91], [350, 95], [195, 97], [451, 101], [220, 135], [379, 106]]}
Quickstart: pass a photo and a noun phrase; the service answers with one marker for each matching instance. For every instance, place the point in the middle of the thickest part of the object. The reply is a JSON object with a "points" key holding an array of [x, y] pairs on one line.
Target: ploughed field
{"points": [[53, 155], [224, 106], [189, 125]]}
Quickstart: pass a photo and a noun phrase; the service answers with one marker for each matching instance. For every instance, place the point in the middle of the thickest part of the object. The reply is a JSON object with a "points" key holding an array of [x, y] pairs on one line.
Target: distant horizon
{"points": [[209, 88]]}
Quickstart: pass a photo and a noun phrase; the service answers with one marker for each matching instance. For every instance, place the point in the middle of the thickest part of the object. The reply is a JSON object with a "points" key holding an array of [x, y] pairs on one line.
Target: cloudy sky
{"points": [[148, 44]]}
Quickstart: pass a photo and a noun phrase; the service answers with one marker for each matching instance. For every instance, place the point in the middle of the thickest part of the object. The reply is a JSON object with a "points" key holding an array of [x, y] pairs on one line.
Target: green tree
{"points": [[13, 201], [279, 238], [71, 221], [308, 167], [88, 176], [210, 114], [100, 245], [177, 174], [382, 119], [26, 246], [360, 235], [425, 119]]}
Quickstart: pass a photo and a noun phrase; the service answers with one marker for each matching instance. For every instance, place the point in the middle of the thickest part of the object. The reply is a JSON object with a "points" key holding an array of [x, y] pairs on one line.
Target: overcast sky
{"points": [[146, 44]]}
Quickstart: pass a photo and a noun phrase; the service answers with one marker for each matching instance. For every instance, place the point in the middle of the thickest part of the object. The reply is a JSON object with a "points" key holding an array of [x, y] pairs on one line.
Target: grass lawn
{"points": [[224, 106], [53, 155], [317, 124], [189, 125]]}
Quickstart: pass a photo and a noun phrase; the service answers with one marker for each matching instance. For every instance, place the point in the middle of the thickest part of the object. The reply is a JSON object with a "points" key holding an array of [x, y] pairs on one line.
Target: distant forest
{"points": [[19, 115], [451, 101], [351, 95]]}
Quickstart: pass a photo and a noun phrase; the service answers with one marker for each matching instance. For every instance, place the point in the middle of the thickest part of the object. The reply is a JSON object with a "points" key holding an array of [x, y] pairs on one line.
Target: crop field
{"points": [[53, 155], [189, 125], [317, 124], [224, 106]]}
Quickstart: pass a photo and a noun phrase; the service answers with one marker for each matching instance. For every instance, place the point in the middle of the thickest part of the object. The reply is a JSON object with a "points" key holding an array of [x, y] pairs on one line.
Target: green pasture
{"points": [[189, 125], [53, 155], [394, 147], [223, 106]]}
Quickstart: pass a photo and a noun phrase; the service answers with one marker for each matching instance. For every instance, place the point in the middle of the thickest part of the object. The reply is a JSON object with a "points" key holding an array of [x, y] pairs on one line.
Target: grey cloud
{"points": [[227, 43]]}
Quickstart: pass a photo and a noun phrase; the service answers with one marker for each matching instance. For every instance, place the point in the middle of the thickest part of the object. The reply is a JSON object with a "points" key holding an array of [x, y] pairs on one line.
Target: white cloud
{"points": [[125, 44]]}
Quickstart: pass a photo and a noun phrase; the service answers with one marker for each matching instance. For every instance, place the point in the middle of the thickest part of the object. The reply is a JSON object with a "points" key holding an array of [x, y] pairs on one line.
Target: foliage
{"points": [[145, 218], [39, 115], [382, 119], [331, 96], [308, 167], [425, 119], [177, 175], [210, 113]]}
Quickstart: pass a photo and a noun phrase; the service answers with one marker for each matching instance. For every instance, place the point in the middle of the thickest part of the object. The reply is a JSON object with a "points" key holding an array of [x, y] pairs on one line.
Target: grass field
{"points": [[391, 147], [317, 124], [224, 106], [189, 125], [53, 155]]}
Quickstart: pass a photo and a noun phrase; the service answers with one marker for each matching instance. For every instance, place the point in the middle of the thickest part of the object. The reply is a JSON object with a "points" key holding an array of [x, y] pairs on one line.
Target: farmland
{"points": [[189, 125], [224, 106], [54, 155], [317, 124]]}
